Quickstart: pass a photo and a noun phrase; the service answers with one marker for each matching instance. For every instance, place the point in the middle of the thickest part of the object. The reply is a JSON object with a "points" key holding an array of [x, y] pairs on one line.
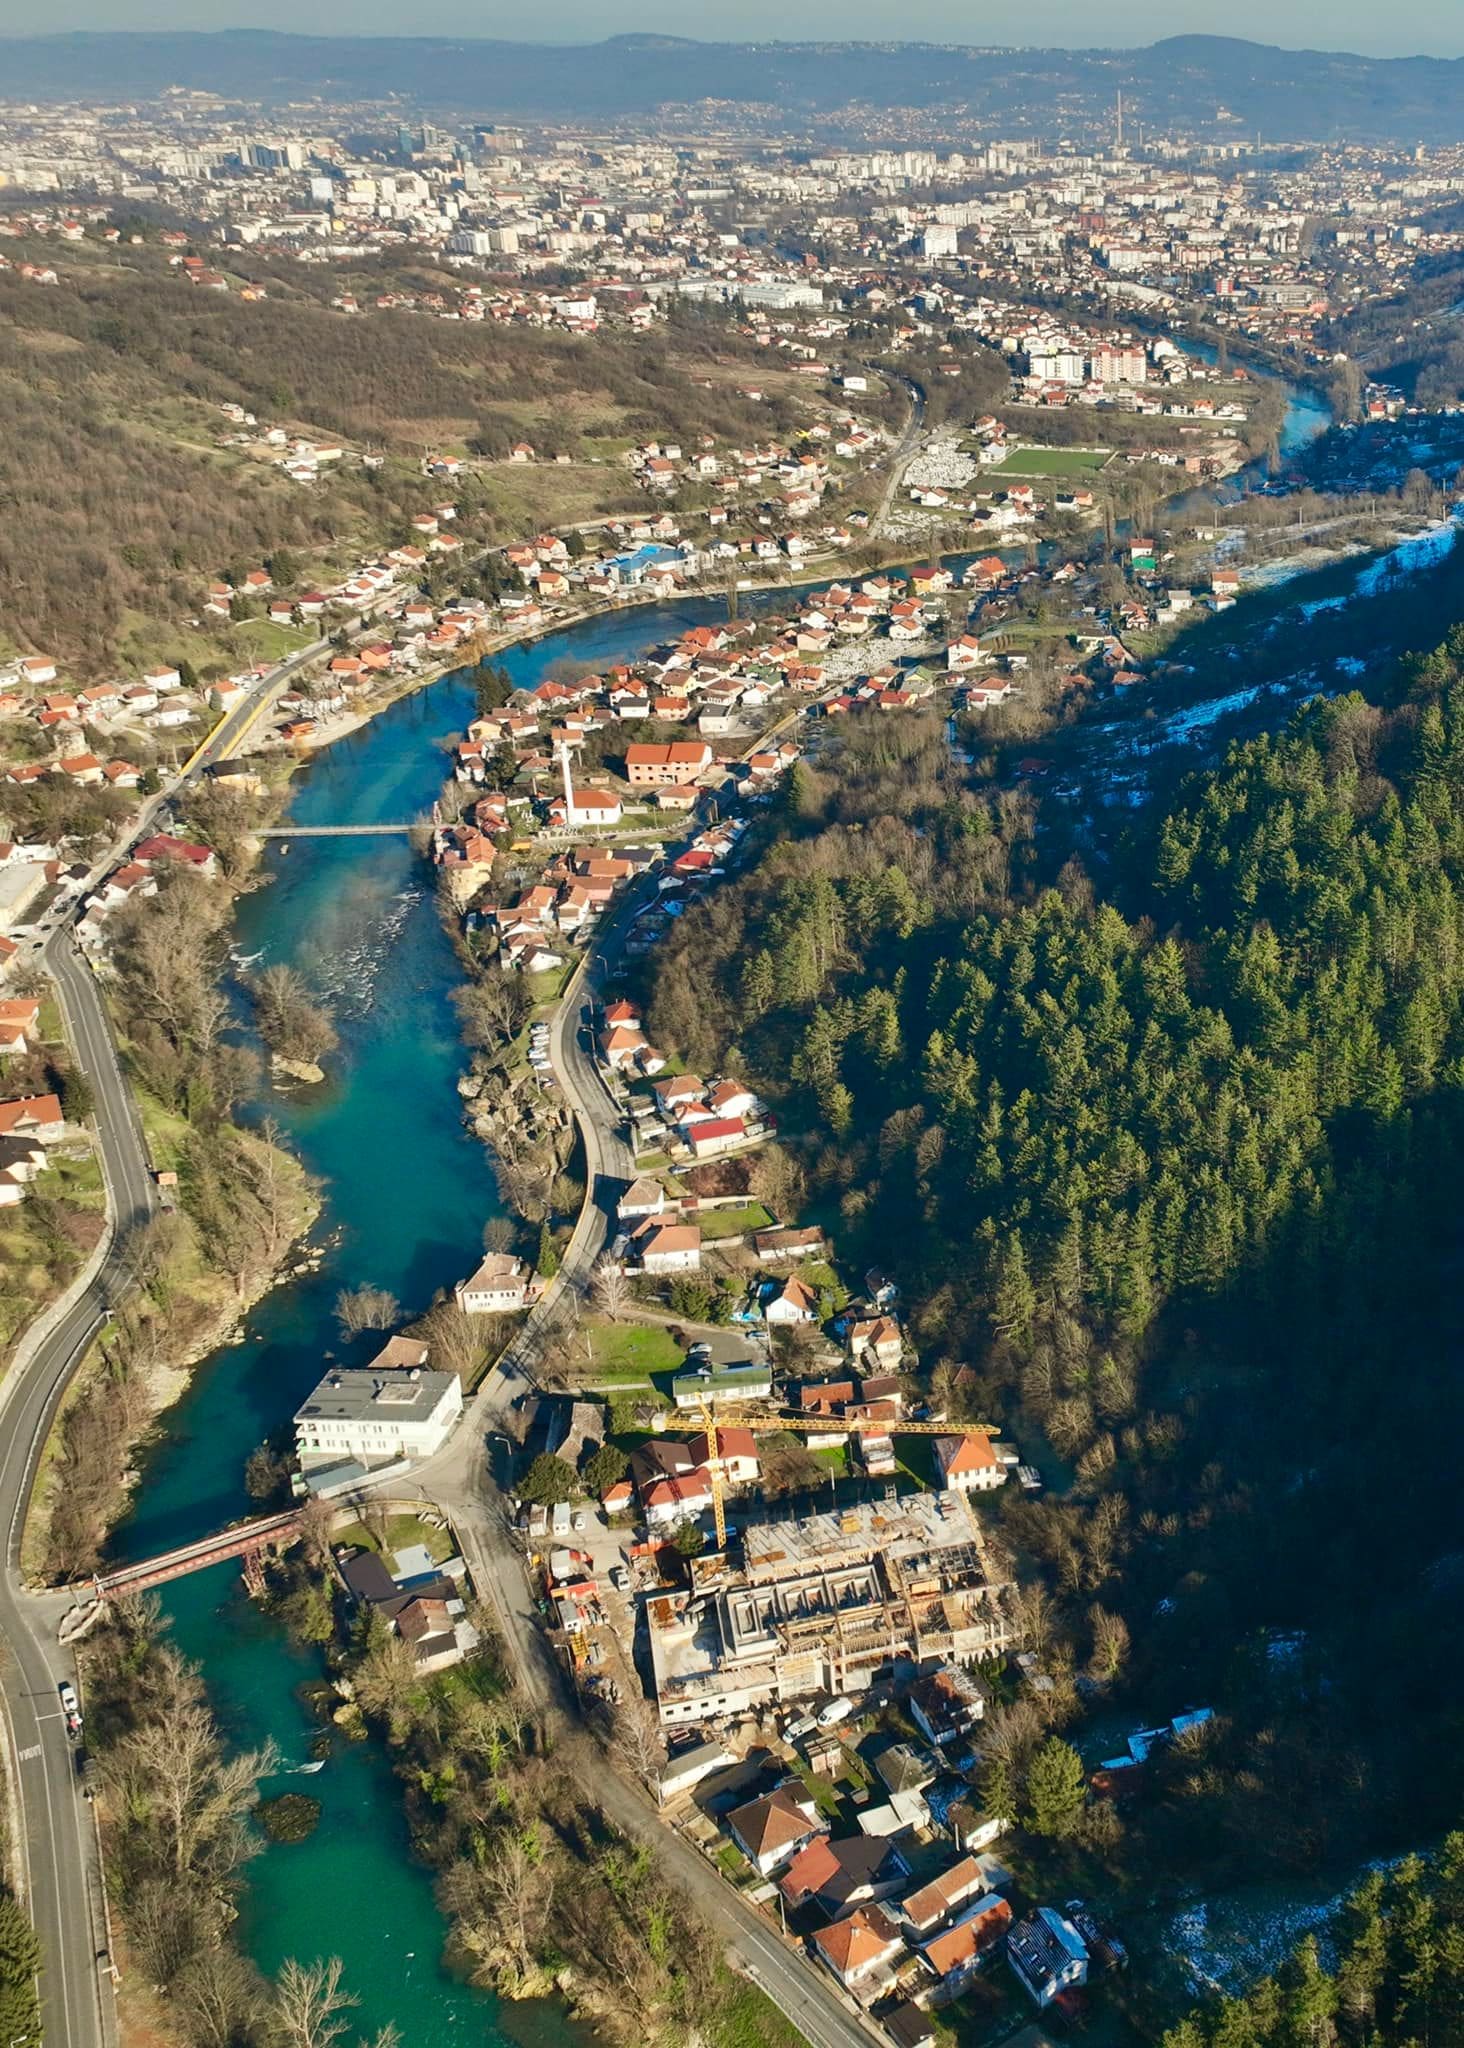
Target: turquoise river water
{"points": [[407, 1194]]}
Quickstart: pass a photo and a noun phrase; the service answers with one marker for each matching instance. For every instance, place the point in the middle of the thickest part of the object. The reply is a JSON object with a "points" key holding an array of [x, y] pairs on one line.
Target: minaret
{"points": [[1120, 121], [568, 791]]}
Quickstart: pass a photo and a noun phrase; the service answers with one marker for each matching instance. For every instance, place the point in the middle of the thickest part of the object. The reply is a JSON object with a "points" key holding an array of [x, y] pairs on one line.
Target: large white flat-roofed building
{"points": [[375, 1415]]}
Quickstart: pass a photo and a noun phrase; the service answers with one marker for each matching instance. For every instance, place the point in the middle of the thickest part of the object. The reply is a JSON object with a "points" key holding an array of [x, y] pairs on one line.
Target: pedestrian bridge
{"points": [[247, 1540], [342, 831]]}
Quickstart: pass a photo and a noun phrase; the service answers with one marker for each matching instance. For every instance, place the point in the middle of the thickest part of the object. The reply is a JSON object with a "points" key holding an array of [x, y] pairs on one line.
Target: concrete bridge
{"points": [[247, 1540]]}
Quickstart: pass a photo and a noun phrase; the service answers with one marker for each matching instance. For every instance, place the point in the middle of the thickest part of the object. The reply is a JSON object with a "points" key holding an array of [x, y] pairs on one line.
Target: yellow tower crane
{"points": [[714, 1474]]}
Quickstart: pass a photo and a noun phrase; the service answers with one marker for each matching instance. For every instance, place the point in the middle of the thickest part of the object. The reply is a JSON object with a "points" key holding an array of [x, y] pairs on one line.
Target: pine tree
{"points": [[1016, 1297], [998, 1790], [20, 1961], [1056, 1789], [548, 1259]]}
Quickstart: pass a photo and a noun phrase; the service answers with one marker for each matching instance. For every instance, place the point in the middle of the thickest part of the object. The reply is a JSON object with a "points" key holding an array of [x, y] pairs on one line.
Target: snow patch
{"points": [[1410, 558]]}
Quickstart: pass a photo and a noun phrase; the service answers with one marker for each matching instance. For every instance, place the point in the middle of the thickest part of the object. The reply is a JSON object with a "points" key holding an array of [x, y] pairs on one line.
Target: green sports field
{"points": [[1052, 462]]}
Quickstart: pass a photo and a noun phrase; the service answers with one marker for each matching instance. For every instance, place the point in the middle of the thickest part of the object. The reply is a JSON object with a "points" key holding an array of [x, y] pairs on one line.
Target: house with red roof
{"points": [[33, 1116], [954, 1956], [770, 1831], [668, 1247], [969, 1464], [714, 1134], [861, 1950], [162, 847]]}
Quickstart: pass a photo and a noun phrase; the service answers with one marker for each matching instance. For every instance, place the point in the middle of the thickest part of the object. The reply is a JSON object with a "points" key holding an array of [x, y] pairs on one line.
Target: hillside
{"points": [[1194, 82], [125, 492], [1160, 1173]]}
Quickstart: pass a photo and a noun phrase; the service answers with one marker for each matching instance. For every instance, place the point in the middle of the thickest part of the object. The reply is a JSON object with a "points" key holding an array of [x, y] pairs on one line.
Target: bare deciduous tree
{"points": [[502, 1903], [638, 1741], [173, 1767], [366, 1308], [459, 1342], [610, 1288], [310, 2005]]}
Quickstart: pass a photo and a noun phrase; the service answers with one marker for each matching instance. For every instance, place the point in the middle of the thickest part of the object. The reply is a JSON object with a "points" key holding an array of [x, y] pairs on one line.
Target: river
{"points": [[407, 1194]]}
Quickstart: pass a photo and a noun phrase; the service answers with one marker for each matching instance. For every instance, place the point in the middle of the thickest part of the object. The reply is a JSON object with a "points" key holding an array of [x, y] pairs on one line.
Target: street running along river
{"points": [[407, 1193]]}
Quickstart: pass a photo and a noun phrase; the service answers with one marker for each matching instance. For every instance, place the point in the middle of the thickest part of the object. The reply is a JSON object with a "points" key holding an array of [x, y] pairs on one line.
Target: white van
{"points": [[834, 1712]]}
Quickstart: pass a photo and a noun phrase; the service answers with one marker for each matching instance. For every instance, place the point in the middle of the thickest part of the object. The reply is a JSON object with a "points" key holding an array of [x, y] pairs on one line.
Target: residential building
{"points": [[946, 1705], [954, 1956], [668, 1247], [860, 1950], [682, 761], [770, 1831], [499, 1287], [1048, 1955], [374, 1416], [745, 1381], [838, 1876], [969, 1463]]}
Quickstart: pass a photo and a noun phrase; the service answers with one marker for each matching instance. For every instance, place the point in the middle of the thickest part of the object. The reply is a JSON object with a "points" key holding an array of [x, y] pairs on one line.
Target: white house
{"points": [[669, 1247], [497, 1288], [377, 1415], [770, 1831], [1048, 1954], [793, 1302], [969, 1463]]}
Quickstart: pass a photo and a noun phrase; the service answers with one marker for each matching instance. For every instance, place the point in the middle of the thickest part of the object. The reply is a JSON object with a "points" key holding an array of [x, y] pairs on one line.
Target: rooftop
{"points": [[352, 1396]]}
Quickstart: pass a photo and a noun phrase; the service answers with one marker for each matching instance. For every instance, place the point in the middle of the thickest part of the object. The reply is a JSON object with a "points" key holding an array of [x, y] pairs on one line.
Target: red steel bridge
{"points": [[246, 1540]]}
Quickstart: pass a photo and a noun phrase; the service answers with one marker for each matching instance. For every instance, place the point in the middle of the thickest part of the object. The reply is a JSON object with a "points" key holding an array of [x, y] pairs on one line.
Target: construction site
{"points": [[827, 1604]]}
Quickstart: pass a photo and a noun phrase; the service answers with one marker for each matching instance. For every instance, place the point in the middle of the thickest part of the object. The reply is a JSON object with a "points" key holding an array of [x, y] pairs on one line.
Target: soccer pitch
{"points": [[1053, 462]]}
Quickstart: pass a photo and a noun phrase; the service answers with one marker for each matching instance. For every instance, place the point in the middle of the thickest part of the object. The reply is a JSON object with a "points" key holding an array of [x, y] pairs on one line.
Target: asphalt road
{"points": [[459, 1480], [59, 1834], [59, 1840], [466, 1493]]}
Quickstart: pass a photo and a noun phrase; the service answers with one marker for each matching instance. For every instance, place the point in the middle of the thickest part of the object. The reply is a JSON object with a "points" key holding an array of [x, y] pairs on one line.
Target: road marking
{"points": [[28, 1756]]}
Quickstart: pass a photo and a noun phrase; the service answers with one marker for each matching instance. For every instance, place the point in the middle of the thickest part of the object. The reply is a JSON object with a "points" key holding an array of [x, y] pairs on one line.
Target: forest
{"points": [[1159, 1170], [1394, 1972], [1405, 337]]}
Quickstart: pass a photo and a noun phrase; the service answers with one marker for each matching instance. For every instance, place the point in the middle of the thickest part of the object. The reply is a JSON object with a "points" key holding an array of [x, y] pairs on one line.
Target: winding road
{"points": [[57, 1846], [59, 1842], [459, 1480]]}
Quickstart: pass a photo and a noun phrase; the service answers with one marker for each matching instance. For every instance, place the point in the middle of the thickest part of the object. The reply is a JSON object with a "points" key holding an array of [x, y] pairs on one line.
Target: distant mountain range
{"points": [[1207, 83]]}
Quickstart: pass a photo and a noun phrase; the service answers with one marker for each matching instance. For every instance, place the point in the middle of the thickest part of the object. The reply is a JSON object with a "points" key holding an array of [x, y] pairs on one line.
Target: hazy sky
{"points": [[1406, 27]]}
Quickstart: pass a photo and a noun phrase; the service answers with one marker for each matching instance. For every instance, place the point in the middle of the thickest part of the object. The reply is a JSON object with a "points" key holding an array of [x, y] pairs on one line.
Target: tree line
{"points": [[179, 1810], [1154, 1170]]}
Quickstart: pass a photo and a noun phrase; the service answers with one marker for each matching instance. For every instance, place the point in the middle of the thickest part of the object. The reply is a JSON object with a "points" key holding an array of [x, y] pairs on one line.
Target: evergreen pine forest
{"points": [[1165, 1164]]}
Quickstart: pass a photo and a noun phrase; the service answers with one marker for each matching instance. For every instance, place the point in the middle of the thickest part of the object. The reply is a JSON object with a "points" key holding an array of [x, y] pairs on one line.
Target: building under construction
{"points": [[830, 1603]]}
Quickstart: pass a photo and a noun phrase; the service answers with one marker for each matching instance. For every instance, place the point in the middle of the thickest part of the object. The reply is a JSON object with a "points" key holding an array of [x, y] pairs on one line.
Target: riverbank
{"points": [[407, 1191], [184, 1311]]}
